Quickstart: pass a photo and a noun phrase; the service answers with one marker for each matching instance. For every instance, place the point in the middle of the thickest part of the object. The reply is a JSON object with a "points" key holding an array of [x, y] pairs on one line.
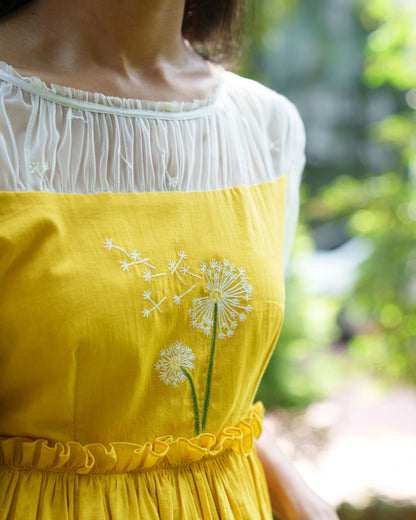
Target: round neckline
{"points": [[99, 102]]}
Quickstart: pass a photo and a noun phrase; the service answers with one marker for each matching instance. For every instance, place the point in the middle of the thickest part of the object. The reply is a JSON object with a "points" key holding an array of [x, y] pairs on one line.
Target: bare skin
{"points": [[134, 49], [291, 497], [124, 48]]}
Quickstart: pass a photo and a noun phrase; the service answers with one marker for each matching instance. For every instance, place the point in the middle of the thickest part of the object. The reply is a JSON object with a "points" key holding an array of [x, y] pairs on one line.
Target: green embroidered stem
{"points": [[209, 373], [194, 400]]}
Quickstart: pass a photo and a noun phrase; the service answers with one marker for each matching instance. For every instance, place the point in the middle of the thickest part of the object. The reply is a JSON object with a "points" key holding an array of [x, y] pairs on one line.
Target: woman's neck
{"points": [[123, 44], [117, 33]]}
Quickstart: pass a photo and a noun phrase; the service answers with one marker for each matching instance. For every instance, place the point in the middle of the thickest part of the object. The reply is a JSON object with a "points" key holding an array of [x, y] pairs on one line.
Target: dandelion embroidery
{"points": [[185, 269], [156, 306], [108, 243], [228, 288], [137, 260], [174, 266], [173, 366], [134, 255], [124, 159], [172, 180], [218, 312], [228, 291], [177, 299], [148, 276], [40, 169], [275, 146], [170, 362]]}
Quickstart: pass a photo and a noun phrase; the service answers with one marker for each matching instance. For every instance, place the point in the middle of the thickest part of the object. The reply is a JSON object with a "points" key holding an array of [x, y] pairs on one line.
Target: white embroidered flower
{"points": [[170, 362], [40, 169], [227, 287], [172, 181]]}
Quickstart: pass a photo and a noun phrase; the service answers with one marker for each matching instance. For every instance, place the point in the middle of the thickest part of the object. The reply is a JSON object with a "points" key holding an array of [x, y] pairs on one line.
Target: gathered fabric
{"points": [[123, 457], [167, 479]]}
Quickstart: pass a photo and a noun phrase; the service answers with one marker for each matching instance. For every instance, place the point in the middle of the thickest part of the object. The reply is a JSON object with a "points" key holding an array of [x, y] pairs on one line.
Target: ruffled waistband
{"points": [[125, 457]]}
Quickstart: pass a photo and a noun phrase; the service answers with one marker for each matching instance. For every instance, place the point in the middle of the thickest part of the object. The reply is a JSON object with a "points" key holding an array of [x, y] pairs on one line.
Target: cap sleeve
{"points": [[286, 134], [294, 160]]}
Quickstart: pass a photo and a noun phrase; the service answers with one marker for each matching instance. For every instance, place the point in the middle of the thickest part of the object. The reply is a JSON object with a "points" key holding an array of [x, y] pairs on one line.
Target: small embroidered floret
{"points": [[170, 362], [172, 181], [40, 169]]}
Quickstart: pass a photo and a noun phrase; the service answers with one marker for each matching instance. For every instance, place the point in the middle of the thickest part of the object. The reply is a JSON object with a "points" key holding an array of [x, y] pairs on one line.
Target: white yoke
{"points": [[62, 139]]}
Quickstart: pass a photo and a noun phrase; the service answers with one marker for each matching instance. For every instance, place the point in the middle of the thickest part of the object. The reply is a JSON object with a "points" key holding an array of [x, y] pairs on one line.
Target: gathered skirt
{"points": [[205, 478]]}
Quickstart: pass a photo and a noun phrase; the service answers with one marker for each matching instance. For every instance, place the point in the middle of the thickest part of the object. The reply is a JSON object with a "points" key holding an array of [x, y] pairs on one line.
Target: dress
{"points": [[142, 251]]}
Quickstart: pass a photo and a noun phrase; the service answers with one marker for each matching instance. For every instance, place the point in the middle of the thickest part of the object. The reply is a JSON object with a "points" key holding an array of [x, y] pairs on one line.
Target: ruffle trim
{"points": [[99, 98], [125, 457]]}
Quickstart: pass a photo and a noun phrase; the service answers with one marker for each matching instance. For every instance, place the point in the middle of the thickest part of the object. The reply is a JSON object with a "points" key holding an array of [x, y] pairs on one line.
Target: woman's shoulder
{"points": [[272, 111], [271, 108]]}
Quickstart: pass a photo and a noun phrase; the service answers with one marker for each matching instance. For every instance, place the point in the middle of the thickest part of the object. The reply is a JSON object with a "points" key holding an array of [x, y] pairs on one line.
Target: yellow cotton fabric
{"points": [[96, 290]]}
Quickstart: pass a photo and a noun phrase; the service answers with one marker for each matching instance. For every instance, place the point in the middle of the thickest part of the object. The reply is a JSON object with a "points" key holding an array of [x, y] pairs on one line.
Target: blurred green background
{"points": [[350, 67]]}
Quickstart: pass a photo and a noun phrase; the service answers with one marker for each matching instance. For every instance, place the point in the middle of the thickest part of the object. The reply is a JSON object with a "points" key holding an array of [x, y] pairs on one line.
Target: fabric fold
{"points": [[124, 457]]}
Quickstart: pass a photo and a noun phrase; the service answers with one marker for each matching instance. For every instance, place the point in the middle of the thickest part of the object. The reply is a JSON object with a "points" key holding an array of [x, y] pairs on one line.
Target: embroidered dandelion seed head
{"points": [[170, 362], [216, 295], [228, 288]]}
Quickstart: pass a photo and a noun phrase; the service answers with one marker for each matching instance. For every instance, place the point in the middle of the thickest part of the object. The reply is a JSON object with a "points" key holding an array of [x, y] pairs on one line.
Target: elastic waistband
{"points": [[125, 457]]}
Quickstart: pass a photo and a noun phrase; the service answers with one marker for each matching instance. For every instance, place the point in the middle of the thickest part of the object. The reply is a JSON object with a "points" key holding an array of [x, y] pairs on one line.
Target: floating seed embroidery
{"points": [[172, 181], [136, 259], [40, 169], [124, 159], [185, 270], [147, 296], [174, 266], [148, 276], [79, 116], [275, 146], [108, 243], [177, 299]]}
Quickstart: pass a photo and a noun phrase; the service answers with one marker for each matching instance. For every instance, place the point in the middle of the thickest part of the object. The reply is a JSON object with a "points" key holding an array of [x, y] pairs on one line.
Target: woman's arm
{"points": [[291, 497]]}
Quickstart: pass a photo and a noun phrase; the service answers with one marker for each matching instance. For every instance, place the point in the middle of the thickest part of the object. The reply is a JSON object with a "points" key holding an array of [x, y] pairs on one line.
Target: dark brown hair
{"points": [[213, 27], [7, 6]]}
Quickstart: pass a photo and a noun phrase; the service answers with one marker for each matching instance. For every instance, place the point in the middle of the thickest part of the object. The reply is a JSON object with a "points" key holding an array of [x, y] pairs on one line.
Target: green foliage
{"points": [[366, 185], [384, 299], [379, 509], [392, 44], [381, 308]]}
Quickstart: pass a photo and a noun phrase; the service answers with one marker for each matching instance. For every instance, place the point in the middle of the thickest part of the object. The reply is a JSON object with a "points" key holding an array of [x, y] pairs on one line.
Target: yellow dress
{"points": [[135, 331]]}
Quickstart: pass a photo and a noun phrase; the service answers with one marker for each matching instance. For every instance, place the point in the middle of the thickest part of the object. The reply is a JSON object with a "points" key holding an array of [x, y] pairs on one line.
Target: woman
{"points": [[141, 248]]}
